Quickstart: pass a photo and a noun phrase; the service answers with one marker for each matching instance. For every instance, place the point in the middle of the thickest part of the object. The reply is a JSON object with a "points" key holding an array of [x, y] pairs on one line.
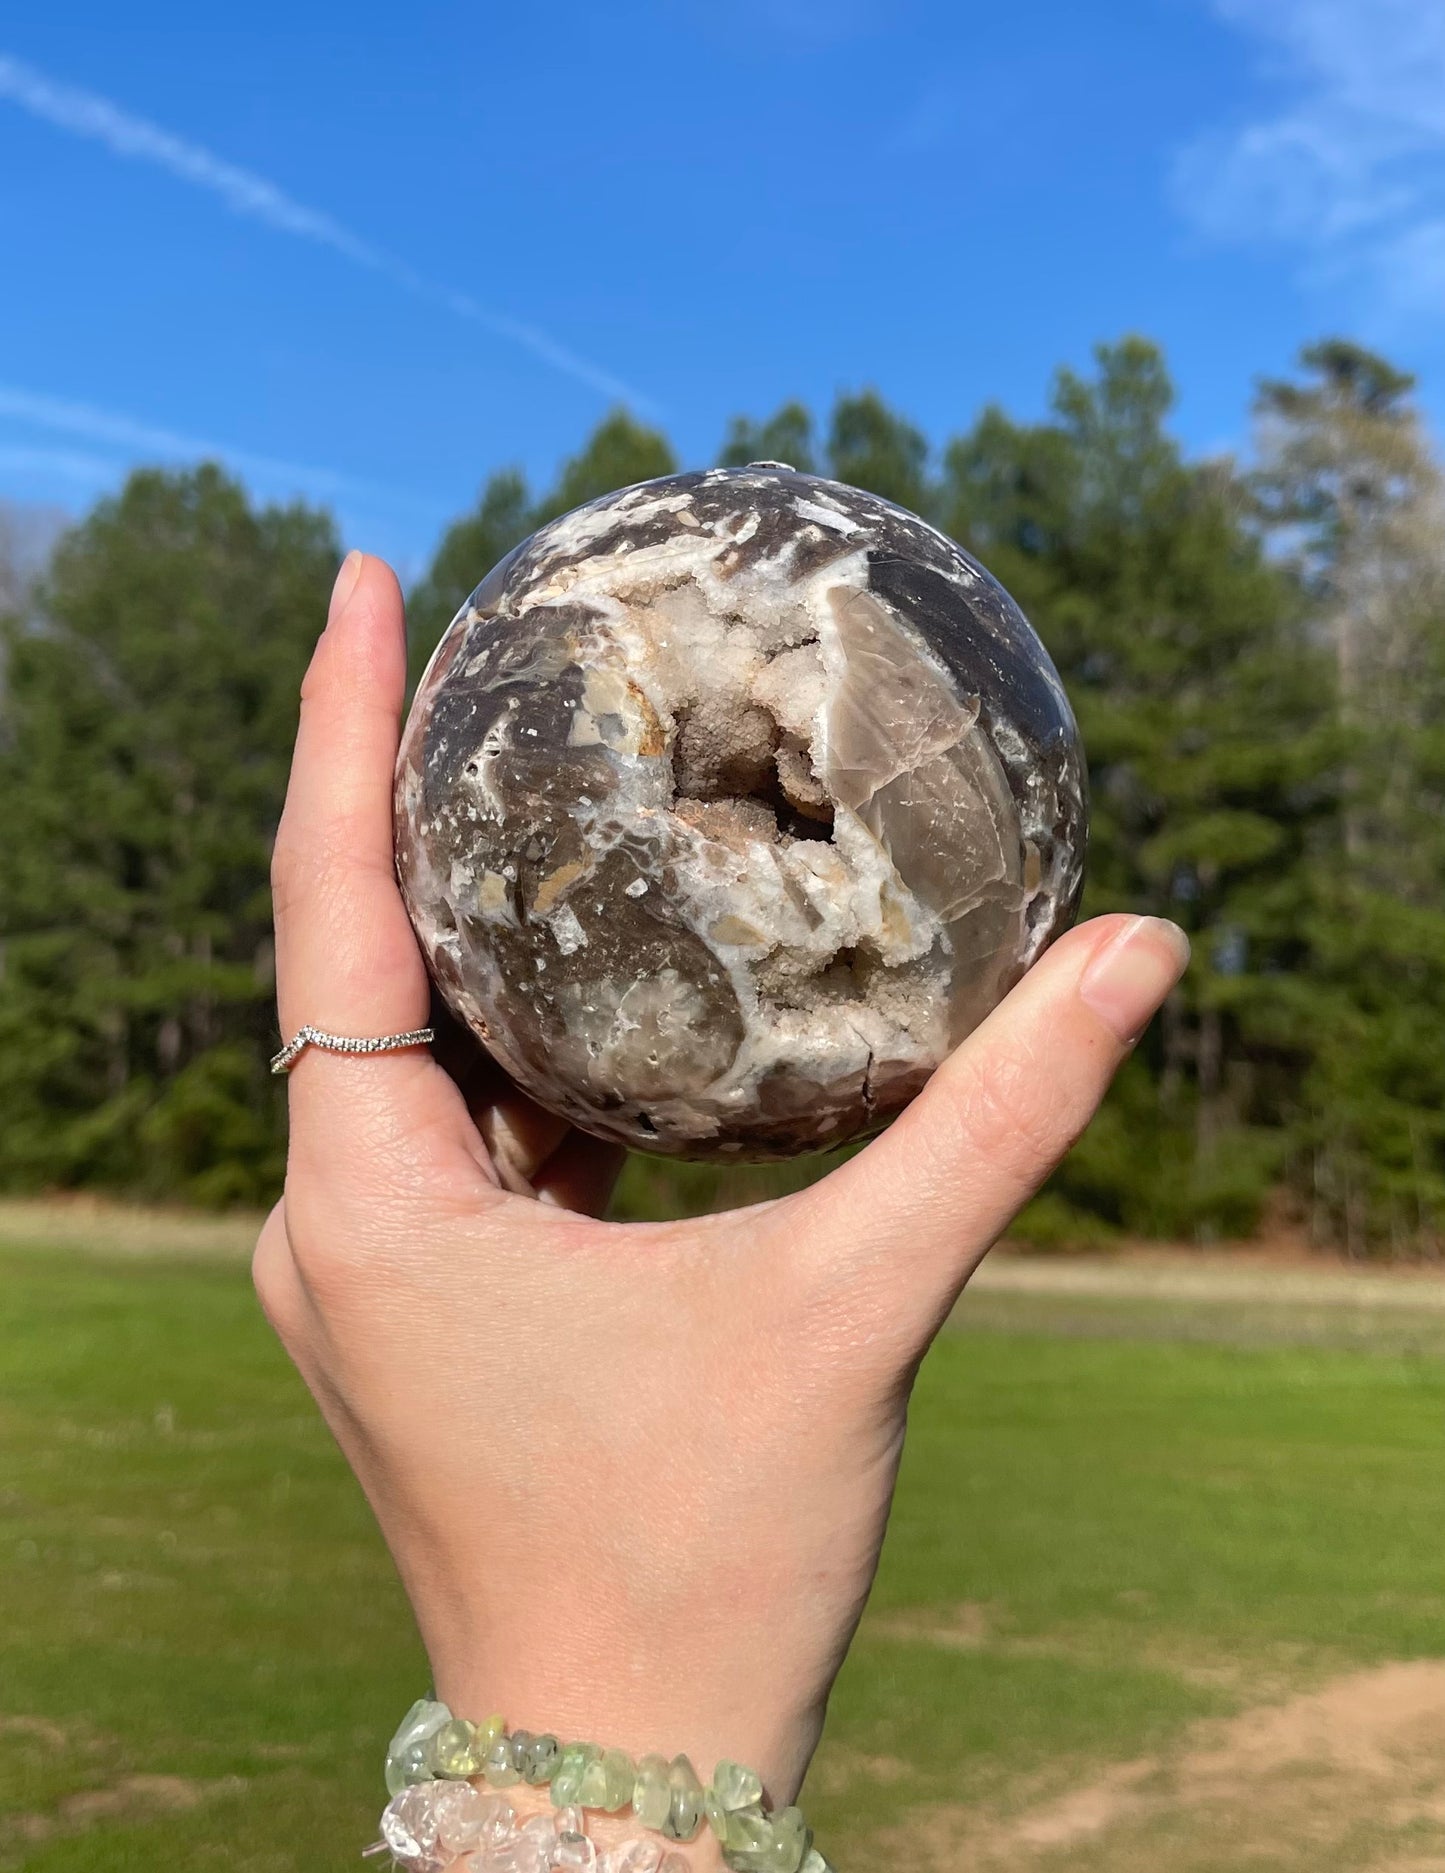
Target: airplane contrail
{"points": [[69, 464], [86, 114], [91, 424]]}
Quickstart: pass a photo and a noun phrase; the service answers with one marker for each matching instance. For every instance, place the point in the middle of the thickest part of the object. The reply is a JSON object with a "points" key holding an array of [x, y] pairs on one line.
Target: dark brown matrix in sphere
{"points": [[729, 803]]}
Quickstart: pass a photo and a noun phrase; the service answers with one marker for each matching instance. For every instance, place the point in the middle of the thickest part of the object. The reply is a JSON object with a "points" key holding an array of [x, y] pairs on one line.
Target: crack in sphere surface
{"points": [[731, 802]]}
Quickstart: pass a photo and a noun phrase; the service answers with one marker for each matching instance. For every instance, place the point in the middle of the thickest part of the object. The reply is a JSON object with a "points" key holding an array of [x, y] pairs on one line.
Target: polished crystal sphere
{"points": [[729, 804]]}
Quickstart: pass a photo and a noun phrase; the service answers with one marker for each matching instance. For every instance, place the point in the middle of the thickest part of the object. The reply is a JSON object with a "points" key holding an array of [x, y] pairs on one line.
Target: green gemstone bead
{"points": [[619, 1778], [453, 1750], [652, 1793], [684, 1814], [792, 1838], [498, 1765], [489, 1731], [717, 1815], [594, 1785], [749, 1834], [403, 1765], [426, 1716], [566, 1786], [542, 1760], [737, 1787], [567, 1776], [518, 1745], [414, 1764]]}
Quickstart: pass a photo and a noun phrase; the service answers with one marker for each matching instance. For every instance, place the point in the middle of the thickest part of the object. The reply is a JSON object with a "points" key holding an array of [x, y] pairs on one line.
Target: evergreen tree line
{"points": [[1256, 657]]}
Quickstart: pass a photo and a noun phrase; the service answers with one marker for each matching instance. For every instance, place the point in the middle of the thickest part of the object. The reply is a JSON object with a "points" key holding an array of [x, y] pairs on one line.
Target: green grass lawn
{"points": [[1112, 1552]]}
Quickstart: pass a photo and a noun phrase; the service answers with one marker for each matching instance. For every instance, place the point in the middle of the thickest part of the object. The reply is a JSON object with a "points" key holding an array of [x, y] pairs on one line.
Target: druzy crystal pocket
{"points": [[729, 804]]}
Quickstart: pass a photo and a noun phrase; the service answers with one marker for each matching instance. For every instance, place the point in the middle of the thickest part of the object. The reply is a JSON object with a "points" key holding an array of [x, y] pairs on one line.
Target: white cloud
{"points": [[143, 441], [84, 114], [68, 465], [1348, 167]]}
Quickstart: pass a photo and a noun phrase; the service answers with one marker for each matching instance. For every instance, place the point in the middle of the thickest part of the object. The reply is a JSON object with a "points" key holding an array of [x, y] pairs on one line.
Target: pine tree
{"points": [[1200, 703], [1356, 501], [145, 733], [619, 452], [787, 436], [870, 446], [469, 549]]}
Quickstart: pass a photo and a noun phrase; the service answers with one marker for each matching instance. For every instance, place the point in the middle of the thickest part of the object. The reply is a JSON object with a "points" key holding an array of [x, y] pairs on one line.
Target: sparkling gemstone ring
{"points": [[346, 1044]]}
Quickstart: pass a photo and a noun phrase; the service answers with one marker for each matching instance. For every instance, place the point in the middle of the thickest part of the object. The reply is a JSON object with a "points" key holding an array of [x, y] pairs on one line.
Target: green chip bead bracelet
{"points": [[666, 1796]]}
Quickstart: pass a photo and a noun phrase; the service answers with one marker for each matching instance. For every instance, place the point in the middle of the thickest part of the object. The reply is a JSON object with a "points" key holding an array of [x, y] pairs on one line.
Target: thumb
{"points": [[913, 1215]]}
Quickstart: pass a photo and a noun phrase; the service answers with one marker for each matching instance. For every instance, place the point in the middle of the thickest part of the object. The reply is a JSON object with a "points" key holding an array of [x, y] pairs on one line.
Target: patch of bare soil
{"points": [[1350, 1777], [99, 1227], [838, 1767], [1246, 1272], [970, 1626], [966, 1627], [37, 1729], [132, 1795]]}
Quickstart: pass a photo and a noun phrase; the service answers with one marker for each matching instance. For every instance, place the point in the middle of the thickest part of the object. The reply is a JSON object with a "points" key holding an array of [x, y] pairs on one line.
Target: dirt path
{"points": [[1244, 1273], [1228, 1277], [100, 1228], [1349, 1776]]}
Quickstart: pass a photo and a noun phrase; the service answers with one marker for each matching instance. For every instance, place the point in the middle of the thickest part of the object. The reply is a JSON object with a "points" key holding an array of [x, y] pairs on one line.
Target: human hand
{"points": [[635, 1478]]}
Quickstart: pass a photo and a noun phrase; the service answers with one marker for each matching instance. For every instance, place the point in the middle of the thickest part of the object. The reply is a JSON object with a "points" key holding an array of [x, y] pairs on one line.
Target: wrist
{"points": [[665, 1715], [708, 1682], [457, 1785]]}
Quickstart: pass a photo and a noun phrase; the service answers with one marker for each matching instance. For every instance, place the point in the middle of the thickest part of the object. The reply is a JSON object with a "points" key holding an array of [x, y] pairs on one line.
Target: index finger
{"points": [[347, 961]]}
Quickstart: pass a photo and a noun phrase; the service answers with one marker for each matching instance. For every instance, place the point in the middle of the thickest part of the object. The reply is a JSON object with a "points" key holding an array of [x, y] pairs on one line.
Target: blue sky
{"points": [[368, 254]]}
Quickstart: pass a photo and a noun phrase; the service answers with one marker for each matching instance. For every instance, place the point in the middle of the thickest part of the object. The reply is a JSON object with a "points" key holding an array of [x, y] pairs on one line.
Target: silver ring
{"points": [[346, 1044]]}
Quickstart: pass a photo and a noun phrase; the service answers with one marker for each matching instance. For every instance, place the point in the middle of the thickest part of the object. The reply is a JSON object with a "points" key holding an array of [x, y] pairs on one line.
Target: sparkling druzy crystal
{"points": [[729, 804]]}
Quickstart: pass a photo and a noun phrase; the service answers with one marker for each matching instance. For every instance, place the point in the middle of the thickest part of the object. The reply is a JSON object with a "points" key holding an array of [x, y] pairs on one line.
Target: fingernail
{"points": [[345, 585], [1129, 978]]}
